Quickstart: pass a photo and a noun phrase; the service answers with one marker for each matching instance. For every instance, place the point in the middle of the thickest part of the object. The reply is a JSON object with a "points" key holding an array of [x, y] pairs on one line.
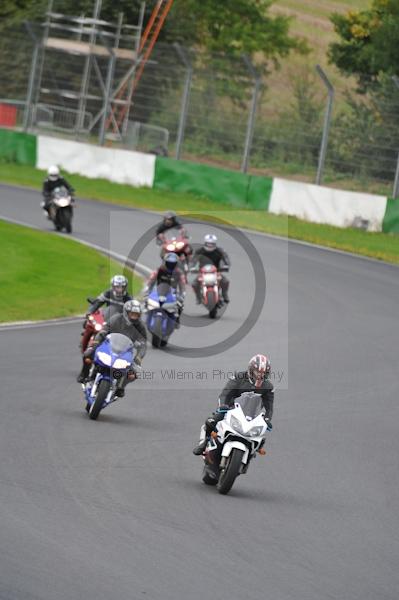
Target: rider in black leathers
{"points": [[170, 221], [128, 323], [210, 253], [52, 181], [116, 295], [254, 379]]}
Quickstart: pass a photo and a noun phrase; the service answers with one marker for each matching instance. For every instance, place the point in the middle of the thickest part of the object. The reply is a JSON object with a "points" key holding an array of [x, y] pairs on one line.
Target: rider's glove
{"points": [[88, 353], [269, 424]]}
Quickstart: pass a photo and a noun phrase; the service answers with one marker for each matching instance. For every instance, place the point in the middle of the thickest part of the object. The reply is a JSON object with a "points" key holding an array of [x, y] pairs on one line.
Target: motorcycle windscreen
{"points": [[119, 343], [60, 192], [173, 232], [164, 290], [251, 404]]}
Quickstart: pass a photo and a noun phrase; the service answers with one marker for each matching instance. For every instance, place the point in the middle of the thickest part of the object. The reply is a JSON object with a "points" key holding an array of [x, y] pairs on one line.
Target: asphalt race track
{"points": [[115, 509]]}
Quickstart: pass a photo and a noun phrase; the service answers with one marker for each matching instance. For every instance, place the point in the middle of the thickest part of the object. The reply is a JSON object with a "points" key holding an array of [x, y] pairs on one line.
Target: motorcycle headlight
{"points": [[152, 303], [105, 358], [120, 363], [235, 423], [98, 327], [255, 431]]}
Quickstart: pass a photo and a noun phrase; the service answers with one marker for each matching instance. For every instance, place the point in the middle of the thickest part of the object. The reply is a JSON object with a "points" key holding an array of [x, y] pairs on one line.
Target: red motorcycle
{"points": [[211, 293], [179, 245], [93, 325]]}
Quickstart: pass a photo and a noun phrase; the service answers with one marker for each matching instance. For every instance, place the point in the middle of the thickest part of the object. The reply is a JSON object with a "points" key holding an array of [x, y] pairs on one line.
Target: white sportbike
{"points": [[60, 209], [237, 440]]}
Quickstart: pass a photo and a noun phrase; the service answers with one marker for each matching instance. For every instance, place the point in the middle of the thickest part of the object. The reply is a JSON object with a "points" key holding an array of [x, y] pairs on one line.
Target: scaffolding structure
{"points": [[114, 56]]}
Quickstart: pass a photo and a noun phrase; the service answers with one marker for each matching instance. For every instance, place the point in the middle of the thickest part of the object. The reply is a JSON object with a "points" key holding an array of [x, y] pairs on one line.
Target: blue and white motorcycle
{"points": [[113, 360], [162, 312]]}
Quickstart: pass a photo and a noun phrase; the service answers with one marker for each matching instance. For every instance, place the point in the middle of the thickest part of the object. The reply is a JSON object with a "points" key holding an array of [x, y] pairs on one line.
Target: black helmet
{"points": [[170, 261], [169, 216], [258, 369], [131, 309]]}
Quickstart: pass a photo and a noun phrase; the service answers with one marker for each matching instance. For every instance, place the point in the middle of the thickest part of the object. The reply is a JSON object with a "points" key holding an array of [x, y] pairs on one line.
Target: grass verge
{"points": [[45, 276], [380, 246]]}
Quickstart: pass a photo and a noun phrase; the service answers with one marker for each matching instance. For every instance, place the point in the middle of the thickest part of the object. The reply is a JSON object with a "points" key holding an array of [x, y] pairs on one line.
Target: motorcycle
{"points": [[238, 439], [180, 246], [162, 312], [93, 324], [113, 360], [211, 292], [60, 209]]}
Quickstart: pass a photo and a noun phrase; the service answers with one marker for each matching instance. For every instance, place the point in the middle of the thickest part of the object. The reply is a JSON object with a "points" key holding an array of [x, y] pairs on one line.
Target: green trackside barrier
{"points": [[390, 223], [16, 147], [220, 185], [259, 192]]}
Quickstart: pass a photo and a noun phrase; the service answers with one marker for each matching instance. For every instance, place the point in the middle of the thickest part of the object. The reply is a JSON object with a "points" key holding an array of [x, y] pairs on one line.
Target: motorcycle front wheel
{"points": [[230, 472], [66, 219], [102, 393]]}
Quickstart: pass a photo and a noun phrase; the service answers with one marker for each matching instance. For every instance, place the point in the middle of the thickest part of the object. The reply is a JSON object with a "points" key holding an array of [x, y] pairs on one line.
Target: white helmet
{"points": [[53, 173], [210, 241], [131, 311], [119, 285]]}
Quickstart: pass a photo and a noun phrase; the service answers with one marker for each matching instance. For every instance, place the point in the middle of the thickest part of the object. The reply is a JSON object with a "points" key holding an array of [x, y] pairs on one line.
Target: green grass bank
{"points": [[380, 246], [44, 275]]}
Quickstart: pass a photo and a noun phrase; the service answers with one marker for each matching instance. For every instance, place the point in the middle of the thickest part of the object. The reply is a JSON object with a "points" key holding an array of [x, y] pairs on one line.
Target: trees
{"points": [[369, 43], [367, 131], [232, 26]]}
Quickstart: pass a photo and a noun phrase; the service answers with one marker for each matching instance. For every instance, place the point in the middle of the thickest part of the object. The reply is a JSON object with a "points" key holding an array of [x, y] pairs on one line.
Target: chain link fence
{"points": [[205, 108]]}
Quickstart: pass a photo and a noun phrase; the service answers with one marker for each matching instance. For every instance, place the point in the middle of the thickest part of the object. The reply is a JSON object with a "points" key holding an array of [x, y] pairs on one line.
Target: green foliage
{"points": [[232, 26], [296, 133], [369, 43], [365, 135]]}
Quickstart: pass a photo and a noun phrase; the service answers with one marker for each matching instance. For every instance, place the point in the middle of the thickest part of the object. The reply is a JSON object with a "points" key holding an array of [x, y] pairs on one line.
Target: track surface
{"points": [[115, 508]]}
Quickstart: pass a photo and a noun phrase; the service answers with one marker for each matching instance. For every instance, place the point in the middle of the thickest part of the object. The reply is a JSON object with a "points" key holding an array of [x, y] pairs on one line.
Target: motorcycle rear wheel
{"points": [[230, 472], [102, 393]]}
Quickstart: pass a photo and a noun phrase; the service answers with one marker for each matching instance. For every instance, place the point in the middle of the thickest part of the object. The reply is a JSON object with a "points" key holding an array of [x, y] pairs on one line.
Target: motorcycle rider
{"points": [[52, 181], [128, 323], [169, 221], [116, 295], [210, 253], [171, 274], [254, 379]]}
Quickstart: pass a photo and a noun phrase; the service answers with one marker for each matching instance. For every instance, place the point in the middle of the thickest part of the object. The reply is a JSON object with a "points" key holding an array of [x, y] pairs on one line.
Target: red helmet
{"points": [[258, 369]]}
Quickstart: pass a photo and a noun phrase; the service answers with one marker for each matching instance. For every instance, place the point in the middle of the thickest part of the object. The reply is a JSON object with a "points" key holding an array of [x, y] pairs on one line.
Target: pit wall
{"points": [[313, 203]]}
